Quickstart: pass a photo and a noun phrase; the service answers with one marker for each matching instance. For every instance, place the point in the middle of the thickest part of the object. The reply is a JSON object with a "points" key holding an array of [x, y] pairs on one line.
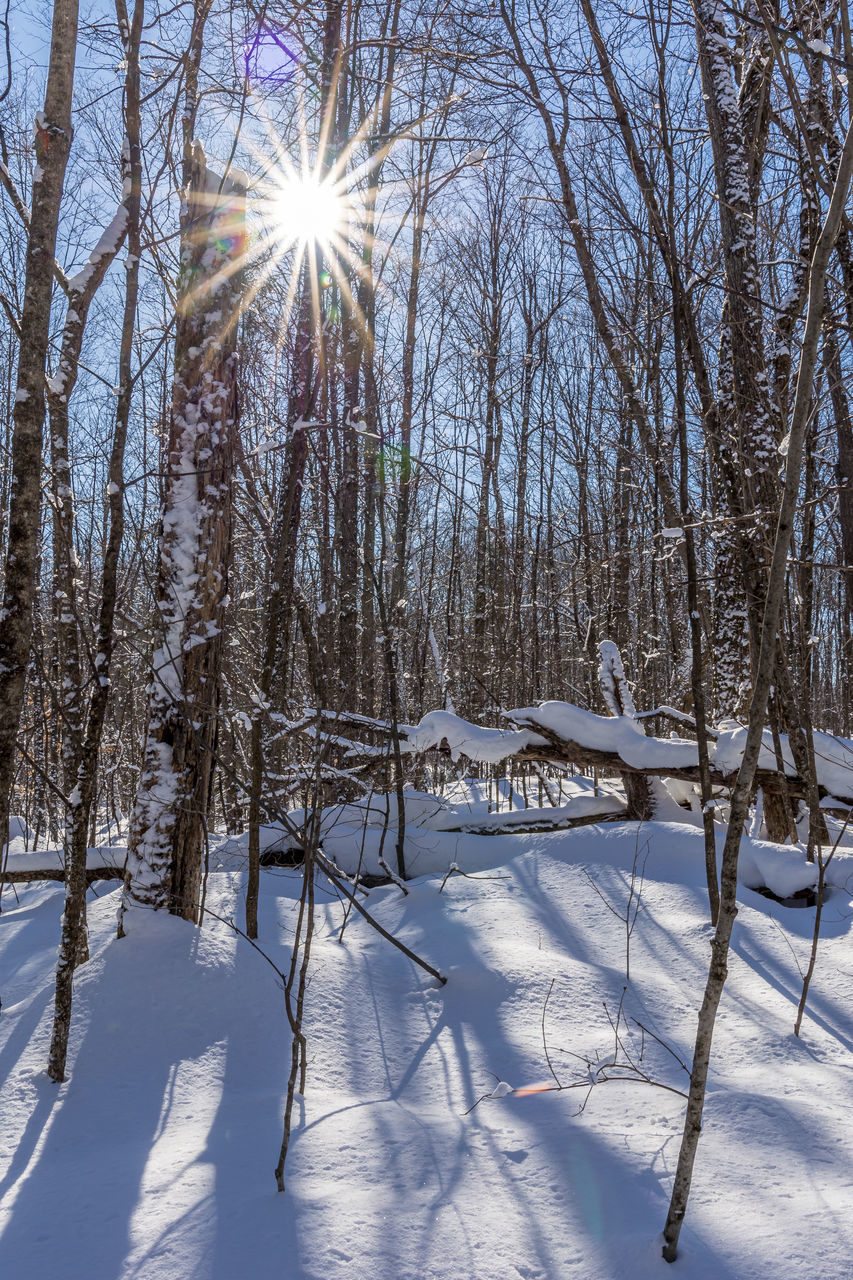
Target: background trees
{"points": [[554, 326]]}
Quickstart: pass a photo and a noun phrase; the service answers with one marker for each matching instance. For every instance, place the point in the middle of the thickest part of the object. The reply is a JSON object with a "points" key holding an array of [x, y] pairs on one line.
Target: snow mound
{"points": [[780, 868], [20, 836]]}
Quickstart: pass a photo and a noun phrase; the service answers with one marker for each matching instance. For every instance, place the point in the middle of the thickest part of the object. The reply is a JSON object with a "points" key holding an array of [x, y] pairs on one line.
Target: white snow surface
{"points": [[154, 1161], [360, 835]]}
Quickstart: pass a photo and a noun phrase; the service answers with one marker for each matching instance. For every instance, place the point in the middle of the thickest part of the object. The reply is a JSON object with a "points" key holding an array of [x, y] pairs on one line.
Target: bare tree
{"points": [[52, 146], [758, 707]]}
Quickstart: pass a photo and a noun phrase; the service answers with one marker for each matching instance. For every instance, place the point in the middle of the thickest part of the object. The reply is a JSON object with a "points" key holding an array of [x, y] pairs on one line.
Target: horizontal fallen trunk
{"points": [[33, 874], [535, 824], [578, 737], [569, 753]]}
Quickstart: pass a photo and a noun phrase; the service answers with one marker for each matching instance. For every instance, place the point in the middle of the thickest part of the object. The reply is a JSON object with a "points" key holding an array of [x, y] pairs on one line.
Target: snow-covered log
{"points": [[563, 733], [33, 875]]}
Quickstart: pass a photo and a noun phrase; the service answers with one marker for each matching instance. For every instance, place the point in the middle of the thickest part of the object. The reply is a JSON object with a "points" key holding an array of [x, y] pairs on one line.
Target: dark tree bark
{"points": [[53, 144], [71, 945]]}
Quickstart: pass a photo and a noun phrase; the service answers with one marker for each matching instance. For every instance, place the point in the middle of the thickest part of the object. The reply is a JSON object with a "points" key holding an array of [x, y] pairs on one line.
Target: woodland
{"points": [[426, 455]]}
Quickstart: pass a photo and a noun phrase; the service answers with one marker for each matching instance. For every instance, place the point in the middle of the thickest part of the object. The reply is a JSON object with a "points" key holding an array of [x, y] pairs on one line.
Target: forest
{"points": [[426, 639]]}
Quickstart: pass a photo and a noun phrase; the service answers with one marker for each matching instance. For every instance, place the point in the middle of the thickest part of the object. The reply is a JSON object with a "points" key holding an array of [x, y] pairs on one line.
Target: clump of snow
{"points": [[780, 868], [488, 746], [614, 684], [621, 735]]}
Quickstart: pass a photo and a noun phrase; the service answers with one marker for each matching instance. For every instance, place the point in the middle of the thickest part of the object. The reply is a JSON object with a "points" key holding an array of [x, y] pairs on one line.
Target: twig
{"points": [[544, 1041], [328, 870], [646, 1031], [822, 863]]}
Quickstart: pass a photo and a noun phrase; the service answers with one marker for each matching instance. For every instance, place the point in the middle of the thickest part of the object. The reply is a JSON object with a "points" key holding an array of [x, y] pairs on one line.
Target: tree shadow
{"points": [[522, 1188], [145, 999]]}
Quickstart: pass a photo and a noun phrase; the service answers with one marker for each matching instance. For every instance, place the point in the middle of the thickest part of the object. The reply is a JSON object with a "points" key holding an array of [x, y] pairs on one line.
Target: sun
{"points": [[305, 210], [308, 220]]}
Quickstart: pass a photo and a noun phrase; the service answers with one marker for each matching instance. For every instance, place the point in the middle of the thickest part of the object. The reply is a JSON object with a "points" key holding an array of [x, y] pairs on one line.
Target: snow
{"points": [[619, 734], [489, 746], [357, 836], [20, 837], [780, 868], [582, 806], [833, 757], [154, 1161], [107, 247], [19, 859]]}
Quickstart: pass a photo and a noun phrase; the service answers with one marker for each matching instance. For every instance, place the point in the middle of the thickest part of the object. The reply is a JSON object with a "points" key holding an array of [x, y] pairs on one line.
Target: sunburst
{"points": [[304, 209]]}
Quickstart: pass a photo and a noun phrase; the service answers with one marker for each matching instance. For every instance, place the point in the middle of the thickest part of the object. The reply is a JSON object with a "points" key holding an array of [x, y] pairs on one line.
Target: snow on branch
{"points": [[487, 746], [614, 684]]}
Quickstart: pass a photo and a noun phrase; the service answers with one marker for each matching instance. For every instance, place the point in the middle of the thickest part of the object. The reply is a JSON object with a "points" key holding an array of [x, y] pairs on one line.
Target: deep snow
{"points": [[154, 1161]]}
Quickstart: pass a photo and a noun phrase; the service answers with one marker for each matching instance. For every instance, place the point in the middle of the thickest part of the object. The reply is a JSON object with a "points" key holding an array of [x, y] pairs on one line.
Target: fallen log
{"points": [[534, 824], [33, 874], [568, 753]]}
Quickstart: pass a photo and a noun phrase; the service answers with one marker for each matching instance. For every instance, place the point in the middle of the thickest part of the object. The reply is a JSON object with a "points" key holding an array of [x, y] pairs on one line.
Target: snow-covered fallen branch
{"points": [[579, 812], [560, 732]]}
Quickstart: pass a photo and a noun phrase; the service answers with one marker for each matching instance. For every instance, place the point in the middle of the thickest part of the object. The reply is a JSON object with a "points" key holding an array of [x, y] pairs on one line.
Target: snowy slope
{"points": [[154, 1161]]}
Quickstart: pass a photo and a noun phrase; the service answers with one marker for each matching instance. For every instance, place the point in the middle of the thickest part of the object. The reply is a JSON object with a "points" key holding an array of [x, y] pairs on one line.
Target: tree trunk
{"points": [[72, 943], [165, 856], [764, 677], [52, 146]]}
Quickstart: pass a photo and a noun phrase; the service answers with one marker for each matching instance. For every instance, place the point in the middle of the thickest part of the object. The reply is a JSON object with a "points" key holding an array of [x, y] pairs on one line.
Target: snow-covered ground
{"points": [[154, 1161]]}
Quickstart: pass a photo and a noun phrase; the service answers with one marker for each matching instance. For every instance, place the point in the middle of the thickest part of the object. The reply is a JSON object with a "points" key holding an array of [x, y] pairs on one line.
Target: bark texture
{"points": [[72, 946], [166, 852], [52, 146]]}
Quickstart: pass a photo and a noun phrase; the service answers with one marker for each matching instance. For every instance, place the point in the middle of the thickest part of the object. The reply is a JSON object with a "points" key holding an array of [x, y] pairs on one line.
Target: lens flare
{"points": [[311, 218], [271, 57], [526, 1090]]}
